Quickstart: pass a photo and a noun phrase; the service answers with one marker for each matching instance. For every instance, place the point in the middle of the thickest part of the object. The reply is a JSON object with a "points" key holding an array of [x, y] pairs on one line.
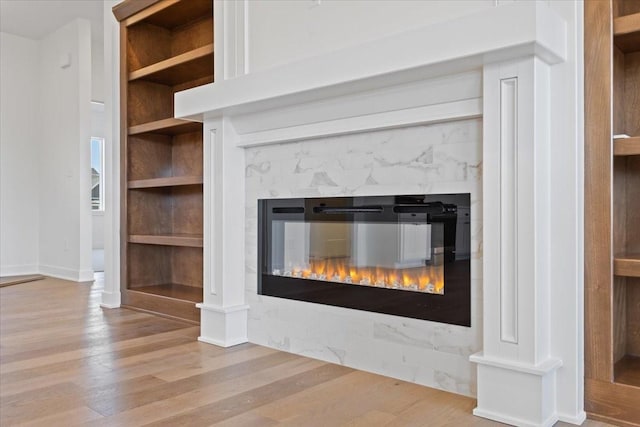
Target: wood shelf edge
{"points": [[626, 24], [192, 241], [127, 8], [159, 125], [172, 181], [174, 61], [626, 146], [627, 265]]}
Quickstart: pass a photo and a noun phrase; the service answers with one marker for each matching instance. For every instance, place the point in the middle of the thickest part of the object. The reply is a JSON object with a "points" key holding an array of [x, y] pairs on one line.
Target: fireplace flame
{"points": [[428, 279]]}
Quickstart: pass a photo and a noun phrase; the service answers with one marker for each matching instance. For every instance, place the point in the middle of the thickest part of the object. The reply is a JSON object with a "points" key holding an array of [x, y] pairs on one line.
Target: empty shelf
{"points": [[626, 30], [190, 240], [170, 126], [170, 181], [188, 66]]}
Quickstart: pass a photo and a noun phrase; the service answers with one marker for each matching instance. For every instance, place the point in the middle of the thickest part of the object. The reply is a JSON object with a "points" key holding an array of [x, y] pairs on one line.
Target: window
{"points": [[97, 175]]}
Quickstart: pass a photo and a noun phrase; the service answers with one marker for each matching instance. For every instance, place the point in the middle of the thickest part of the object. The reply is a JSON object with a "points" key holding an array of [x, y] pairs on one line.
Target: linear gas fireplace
{"points": [[401, 255]]}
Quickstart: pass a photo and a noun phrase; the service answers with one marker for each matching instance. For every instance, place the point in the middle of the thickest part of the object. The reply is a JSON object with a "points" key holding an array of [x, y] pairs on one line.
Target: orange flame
{"points": [[423, 279]]}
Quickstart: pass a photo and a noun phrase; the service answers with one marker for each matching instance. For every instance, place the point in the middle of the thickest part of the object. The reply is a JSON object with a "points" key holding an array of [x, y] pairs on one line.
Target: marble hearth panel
{"points": [[437, 158]]}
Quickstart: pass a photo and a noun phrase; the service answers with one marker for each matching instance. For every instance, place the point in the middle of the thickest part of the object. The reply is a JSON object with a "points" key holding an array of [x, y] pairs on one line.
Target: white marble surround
{"points": [[489, 104], [431, 159]]}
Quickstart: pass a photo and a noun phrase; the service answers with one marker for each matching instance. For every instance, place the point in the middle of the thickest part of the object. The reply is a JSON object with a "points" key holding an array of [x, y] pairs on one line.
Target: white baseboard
{"points": [[18, 270], [577, 420], [549, 422], [67, 273], [111, 299]]}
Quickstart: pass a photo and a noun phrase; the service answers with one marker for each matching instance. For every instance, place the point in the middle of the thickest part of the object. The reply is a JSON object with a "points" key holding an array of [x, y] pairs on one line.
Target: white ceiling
{"points": [[35, 19]]}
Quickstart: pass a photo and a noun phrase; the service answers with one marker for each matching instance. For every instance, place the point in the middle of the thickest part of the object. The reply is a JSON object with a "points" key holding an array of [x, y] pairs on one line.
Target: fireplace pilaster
{"points": [[516, 357]]}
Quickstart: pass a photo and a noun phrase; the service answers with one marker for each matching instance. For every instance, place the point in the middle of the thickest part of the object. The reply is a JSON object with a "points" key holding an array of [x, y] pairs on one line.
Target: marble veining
{"points": [[437, 158]]}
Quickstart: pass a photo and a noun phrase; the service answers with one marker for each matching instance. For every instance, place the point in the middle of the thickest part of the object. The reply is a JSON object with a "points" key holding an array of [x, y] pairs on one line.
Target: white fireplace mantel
{"points": [[496, 64], [507, 32]]}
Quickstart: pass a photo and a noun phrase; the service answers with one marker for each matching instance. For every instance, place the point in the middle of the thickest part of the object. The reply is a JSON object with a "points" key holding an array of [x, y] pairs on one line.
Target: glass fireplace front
{"points": [[402, 255]]}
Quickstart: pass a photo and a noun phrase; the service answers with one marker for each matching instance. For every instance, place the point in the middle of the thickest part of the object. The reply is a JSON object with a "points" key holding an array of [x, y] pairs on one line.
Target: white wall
{"points": [[97, 70], [19, 174], [65, 211], [282, 31]]}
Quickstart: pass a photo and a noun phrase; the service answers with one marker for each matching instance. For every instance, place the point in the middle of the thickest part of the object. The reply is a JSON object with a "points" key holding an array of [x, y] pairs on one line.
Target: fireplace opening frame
{"points": [[451, 307]]}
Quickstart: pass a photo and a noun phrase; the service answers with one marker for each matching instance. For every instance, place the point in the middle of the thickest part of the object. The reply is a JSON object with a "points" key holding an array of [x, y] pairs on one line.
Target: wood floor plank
{"points": [[236, 405], [65, 361], [175, 388], [15, 412], [205, 395], [71, 418]]}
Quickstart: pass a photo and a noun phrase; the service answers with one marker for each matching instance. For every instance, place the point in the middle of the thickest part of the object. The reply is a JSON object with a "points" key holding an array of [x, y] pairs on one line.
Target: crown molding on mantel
{"points": [[509, 31]]}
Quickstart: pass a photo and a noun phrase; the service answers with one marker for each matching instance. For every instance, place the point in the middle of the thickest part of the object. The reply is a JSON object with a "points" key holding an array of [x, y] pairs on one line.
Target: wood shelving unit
{"points": [[612, 211], [166, 46]]}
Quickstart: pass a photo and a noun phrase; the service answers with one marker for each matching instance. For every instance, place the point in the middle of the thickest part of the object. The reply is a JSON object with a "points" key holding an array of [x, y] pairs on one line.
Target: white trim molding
{"points": [[67, 273], [18, 270]]}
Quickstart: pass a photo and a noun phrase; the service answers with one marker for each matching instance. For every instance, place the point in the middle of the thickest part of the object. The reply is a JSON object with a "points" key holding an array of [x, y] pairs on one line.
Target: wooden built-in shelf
{"points": [[167, 46], [627, 265], [626, 30], [626, 146], [627, 371], [168, 14], [172, 290], [189, 240], [170, 181], [170, 126], [192, 65]]}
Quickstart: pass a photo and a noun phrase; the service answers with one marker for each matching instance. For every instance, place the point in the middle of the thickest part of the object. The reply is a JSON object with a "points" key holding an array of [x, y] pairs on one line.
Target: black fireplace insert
{"points": [[404, 255]]}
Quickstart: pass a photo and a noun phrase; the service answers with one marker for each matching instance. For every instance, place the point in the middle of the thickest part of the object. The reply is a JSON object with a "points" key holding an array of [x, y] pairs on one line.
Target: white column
{"points": [[223, 314], [111, 296], [516, 373]]}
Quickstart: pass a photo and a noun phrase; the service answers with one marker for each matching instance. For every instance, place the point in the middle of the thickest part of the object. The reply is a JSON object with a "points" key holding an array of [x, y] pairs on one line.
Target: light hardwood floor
{"points": [[64, 361]]}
